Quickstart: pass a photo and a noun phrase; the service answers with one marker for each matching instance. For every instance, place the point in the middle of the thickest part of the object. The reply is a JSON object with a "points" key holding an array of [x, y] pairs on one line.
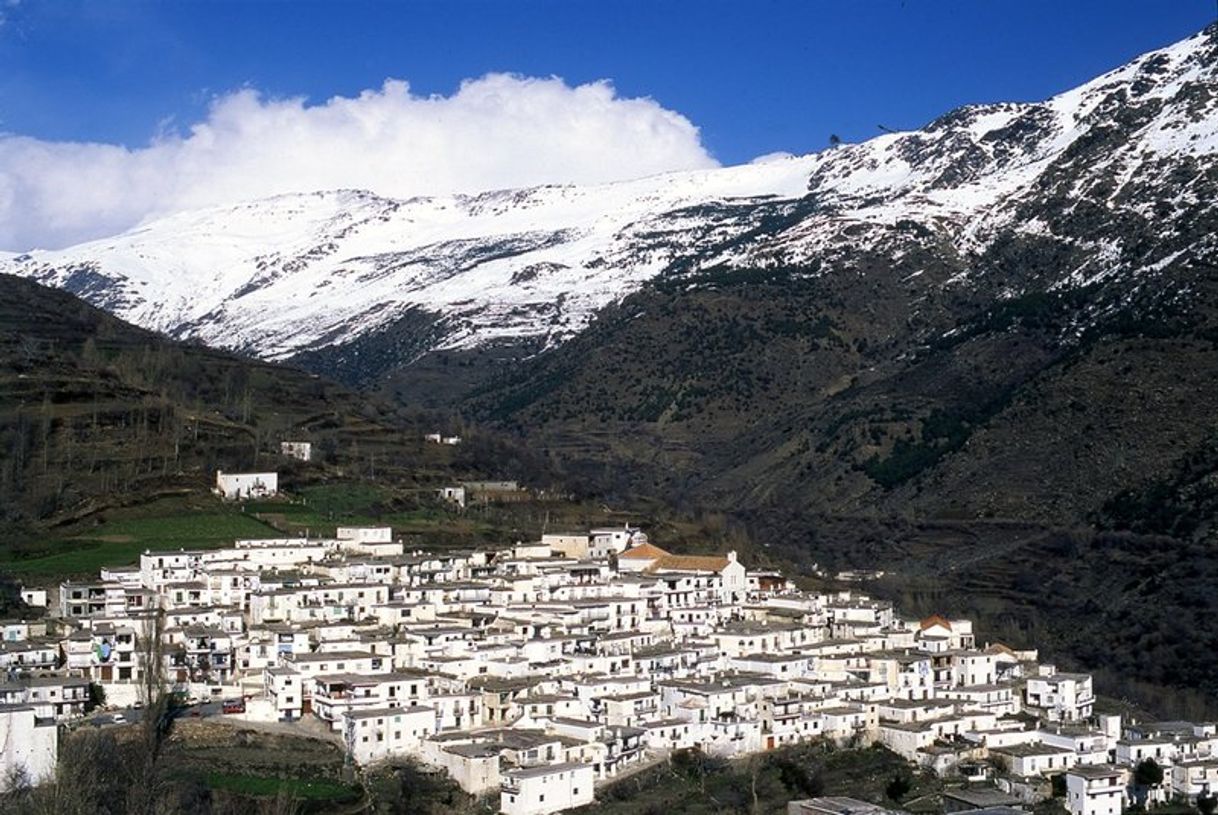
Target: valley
{"points": [[965, 373]]}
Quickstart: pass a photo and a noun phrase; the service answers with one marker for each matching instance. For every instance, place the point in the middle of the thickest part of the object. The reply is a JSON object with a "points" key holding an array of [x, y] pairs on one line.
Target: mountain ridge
{"points": [[306, 273]]}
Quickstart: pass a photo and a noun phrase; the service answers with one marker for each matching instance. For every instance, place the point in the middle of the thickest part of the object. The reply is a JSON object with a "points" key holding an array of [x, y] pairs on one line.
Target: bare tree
{"points": [[755, 767], [153, 730], [18, 791], [86, 782]]}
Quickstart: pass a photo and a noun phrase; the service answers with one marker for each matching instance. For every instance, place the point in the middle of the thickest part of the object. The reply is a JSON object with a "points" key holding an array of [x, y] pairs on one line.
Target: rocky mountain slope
{"points": [[1019, 325], [1091, 171]]}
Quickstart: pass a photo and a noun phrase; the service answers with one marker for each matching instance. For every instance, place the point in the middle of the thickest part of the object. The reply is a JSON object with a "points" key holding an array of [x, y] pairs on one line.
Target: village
{"points": [[542, 670]]}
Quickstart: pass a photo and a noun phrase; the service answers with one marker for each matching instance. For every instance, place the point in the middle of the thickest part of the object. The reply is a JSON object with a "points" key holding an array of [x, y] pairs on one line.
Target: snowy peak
{"points": [[278, 275], [1097, 168]]}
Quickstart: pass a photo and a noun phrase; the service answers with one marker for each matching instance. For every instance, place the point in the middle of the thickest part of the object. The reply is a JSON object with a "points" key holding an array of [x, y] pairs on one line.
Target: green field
{"points": [[318, 510], [202, 522], [165, 524], [323, 507]]}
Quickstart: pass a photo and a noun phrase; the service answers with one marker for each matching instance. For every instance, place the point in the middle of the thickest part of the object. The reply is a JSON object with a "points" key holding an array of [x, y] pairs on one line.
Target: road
{"points": [[134, 715]]}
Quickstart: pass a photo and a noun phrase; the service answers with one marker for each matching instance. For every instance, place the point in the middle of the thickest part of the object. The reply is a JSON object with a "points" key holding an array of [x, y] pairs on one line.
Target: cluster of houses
{"points": [[539, 671]]}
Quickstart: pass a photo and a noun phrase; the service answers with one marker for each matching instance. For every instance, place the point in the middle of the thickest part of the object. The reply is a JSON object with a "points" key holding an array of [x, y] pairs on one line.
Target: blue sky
{"points": [[113, 113], [755, 76]]}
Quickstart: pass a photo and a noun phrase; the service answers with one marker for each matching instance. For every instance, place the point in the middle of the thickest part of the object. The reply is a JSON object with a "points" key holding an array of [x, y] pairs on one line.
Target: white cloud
{"points": [[494, 132]]}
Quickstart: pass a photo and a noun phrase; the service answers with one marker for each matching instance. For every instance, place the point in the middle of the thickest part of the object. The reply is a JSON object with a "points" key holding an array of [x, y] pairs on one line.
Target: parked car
{"points": [[233, 706]]}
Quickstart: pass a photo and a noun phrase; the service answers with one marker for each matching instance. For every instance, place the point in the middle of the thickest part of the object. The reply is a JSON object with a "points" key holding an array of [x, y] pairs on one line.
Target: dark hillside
{"points": [[863, 422], [95, 413]]}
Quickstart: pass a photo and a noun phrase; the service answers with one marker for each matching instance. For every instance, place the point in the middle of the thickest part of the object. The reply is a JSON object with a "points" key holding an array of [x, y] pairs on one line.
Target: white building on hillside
{"points": [[37, 598], [1060, 697], [545, 789], [238, 486], [614, 540], [377, 733], [1095, 790], [301, 450], [437, 438], [30, 747]]}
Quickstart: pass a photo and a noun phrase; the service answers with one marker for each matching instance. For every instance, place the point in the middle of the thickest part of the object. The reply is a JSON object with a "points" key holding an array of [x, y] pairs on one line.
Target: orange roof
{"points": [[690, 563], [645, 551], [936, 619]]}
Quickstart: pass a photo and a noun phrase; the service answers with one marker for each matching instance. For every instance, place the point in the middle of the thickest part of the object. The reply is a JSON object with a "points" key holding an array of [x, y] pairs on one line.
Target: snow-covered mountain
{"points": [[1096, 169]]}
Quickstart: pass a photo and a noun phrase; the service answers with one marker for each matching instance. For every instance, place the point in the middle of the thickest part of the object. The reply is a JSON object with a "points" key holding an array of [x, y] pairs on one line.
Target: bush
{"points": [[898, 787]]}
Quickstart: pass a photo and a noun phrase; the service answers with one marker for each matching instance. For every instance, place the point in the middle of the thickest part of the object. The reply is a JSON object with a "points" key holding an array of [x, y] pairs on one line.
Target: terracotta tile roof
{"points": [[936, 619], [689, 563], [646, 551]]}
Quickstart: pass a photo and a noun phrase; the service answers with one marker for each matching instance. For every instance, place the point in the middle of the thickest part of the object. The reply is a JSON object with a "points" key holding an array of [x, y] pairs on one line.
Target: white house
{"points": [[301, 450], [285, 688], [365, 534], [473, 765], [614, 540], [1060, 697], [437, 438], [34, 597], [1095, 790], [567, 545], [237, 486], [1035, 759], [376, 733], [690, 579], [371, 540], [30, 747], [1190, 779], [544, 789]]}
